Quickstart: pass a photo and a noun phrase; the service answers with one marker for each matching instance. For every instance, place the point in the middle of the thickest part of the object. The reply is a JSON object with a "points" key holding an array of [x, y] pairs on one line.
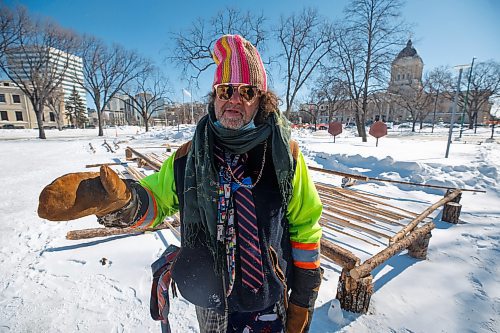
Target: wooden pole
{"points": [[337, 220], [155, 165], [324, 223], [399, 235], [101, 164], [379, 214], [375, 201], [105, 232], [365, 268], [365, 178]]}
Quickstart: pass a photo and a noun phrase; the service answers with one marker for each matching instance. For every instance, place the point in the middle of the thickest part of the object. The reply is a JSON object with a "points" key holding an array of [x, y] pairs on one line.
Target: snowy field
{"points": [[50, 284]]}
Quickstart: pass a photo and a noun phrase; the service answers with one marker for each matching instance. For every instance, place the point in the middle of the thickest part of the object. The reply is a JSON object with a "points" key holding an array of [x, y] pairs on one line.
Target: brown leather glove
{"points": [[297, 318], [80, 194]]}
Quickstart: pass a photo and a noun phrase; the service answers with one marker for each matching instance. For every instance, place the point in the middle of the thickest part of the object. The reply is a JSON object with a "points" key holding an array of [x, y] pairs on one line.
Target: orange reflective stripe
{"points": [[148, 216], [305, 246], [307, 265]]}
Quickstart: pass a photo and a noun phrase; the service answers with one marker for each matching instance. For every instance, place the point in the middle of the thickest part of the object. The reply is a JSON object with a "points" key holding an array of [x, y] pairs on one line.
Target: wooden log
{"points": [[400, 234], [339, 255], [418, 249], [457, 198], [365, 178], [101, 164], [451, 212], [155, 165], [365, 268], [338, 173], [104, 232], [354, 294]]}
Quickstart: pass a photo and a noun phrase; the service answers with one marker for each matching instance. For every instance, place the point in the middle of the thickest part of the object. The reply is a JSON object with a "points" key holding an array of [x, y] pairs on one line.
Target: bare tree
{"points": [[330, 90], [147, 93], [55, 102], [35, 55], [439, 82], [193, 47], [305, 39], [417, 101], [107, 70], [484, 83], [365, 47]]}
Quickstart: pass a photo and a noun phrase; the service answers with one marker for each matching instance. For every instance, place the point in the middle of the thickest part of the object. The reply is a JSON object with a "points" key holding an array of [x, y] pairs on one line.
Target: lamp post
{"points": [[455, 100], [434, 114], [466, 96]]}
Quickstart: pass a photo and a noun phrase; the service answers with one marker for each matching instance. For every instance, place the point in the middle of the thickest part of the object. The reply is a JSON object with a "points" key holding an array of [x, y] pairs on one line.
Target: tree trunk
{"points": [[471, 121], [99, 113], [360, 125], [451, 212], [354, 295], [41, 131], [38, 109]]}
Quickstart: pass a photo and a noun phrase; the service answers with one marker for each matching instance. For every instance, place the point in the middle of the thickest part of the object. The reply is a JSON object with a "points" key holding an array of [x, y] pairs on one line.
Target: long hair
{"points": [[268, 104]]}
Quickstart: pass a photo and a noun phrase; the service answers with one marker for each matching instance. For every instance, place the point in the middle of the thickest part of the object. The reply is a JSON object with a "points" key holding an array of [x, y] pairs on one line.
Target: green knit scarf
{"points": [[201, 176]]}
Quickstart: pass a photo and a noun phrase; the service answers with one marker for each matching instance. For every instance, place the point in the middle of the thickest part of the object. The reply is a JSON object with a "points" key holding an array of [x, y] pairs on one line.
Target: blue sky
{"points": [[446, 32]]}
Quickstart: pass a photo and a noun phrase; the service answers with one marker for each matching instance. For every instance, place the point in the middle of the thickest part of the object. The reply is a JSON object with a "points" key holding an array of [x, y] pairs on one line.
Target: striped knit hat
{"points": [[238, 61]]}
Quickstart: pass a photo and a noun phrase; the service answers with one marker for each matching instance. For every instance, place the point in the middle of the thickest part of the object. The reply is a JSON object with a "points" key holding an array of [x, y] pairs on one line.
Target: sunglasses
{"points": [[225, 91]]}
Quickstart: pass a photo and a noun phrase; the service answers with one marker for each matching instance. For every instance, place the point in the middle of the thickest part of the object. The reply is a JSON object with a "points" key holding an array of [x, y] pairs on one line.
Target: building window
{"points": [[52, 116], [3, 115], [19, 116], [16, 98], [403, 76], [399, 76], [6, 84], [2, 98]]}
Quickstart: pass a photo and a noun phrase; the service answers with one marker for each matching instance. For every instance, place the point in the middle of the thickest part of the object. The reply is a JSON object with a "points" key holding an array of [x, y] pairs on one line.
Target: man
{"points": [[249, 209]]}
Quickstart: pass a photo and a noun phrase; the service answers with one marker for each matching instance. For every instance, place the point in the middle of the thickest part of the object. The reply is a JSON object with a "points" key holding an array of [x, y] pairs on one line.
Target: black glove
{"points": [[305, 290]]}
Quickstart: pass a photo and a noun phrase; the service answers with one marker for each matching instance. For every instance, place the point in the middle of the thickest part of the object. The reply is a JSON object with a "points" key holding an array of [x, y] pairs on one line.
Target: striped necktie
{"points": [[248, 233]]}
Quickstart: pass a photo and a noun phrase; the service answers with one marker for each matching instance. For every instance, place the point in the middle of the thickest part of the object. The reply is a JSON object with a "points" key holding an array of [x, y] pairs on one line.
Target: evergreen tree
{"points": [[75, 109]]}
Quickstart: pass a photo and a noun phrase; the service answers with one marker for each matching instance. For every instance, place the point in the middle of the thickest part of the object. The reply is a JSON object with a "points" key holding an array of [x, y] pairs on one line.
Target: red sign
{"points": [[378, 129], [335, 128]]}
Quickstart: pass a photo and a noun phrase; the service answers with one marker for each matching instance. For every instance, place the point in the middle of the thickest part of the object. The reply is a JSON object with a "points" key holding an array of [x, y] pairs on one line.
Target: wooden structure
{"points": [[351, 220]]}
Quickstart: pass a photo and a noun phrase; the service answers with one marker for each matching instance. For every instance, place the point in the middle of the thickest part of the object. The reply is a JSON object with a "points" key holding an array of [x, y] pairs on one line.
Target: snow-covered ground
{"points": [[50, 284]]}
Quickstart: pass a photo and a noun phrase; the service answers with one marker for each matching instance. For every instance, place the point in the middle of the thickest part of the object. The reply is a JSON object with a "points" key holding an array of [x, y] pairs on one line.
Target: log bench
{"points": [[368, 220]]}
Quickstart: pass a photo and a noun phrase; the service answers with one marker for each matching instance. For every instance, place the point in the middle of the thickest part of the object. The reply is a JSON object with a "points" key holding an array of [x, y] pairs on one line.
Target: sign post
{"points": [[335, 128], [378, 130]]}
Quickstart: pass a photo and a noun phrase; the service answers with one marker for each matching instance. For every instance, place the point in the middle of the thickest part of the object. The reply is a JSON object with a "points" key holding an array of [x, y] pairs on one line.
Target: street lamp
{"points": [[454, 110], [466, 96]]}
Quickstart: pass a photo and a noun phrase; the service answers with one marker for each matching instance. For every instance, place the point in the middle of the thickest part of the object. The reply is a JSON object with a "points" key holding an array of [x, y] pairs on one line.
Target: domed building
{"points": [[406, 70], [406, 100]]}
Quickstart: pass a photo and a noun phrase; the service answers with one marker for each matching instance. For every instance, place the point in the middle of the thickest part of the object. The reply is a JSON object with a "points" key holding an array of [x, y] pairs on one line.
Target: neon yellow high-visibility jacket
{"points": [[287, 236]]}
